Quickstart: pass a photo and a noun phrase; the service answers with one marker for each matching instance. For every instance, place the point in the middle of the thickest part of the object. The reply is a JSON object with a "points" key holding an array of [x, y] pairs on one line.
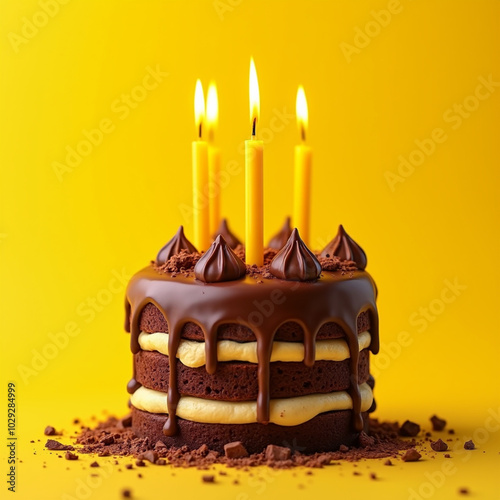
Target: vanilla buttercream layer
{"points": [[192, 353], [286, 411]]}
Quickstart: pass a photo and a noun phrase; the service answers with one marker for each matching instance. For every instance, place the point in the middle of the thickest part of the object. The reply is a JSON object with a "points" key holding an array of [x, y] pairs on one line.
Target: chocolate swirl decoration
{"points": [[219, 263], [295, 262], [345, 248], [229, 236], [175, 245], [278, 241]]}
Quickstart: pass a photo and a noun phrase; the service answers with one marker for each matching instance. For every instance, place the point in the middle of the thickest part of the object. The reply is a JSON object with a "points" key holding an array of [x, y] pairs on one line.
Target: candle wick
{"points": [[199, 130], [254, 124], [303, 133]]}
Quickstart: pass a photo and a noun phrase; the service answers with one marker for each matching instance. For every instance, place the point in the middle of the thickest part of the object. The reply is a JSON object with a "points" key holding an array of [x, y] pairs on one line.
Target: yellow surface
{"points": [[122, 73]]}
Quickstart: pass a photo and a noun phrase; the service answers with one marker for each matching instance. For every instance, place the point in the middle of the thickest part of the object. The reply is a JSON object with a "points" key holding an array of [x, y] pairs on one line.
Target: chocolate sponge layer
{"points": [[325, 432], [238, 381], [152, 320]]}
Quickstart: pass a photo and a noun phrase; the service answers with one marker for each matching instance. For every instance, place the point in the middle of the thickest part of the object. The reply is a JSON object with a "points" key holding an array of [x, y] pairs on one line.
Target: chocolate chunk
{"points": [[469, 445], [439, 445], [129, 466], [126, 421], [107, 440], [70, 456], [94, 464], [412, 455], [365, 440], [409, 429], [50, 431], [387, 462], [161, 461], [140, 463], [438, 424], [150, 456], [160, 445], [208, 478], [235, 450], [52, 444], [277, 453]]}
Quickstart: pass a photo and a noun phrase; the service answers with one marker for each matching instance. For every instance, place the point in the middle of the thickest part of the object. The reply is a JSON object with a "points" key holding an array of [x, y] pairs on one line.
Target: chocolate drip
{"points": [[345, 248], [175, 245], [332, 298], [279, 239], [295, 262], [219, 263], [229, 236]]}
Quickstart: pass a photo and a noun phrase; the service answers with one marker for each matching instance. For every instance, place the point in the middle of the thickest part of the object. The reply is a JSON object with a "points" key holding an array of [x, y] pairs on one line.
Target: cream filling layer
{"points": [[286, 411], [192, 353]]}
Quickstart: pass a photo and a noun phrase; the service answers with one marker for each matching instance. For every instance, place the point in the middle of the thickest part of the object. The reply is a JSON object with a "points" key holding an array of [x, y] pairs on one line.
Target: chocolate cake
{"points": [[279, 354]]}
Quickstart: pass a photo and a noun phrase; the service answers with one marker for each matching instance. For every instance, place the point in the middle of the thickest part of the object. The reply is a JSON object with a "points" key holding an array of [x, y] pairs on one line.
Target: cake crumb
{"points": [[208, 478], [469, 445]]}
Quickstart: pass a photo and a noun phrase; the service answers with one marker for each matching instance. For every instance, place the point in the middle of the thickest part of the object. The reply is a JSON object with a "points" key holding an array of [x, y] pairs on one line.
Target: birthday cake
{"points": [[226, 353]]}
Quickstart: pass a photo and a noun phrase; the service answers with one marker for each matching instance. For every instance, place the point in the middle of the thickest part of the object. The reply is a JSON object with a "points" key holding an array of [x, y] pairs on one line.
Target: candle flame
{"points": [[254, 97], [302, 112], [199, 107], [212, 110]]}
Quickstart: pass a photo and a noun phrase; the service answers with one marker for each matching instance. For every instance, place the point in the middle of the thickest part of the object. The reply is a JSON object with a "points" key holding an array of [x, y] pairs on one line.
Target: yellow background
{"points": [[62, 241]]}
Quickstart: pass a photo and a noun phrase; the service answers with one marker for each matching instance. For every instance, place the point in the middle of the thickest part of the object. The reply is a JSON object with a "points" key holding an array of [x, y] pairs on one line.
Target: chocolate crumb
{"points": [[129, 466], [50, 431], [94, 464], [52, 444], [235, 450], [409, 429], [365, 440], [439, 445], [463, 491], [373, 476], [343, 448], [208, 478], [438, 424], [70, 456], [139, 476], [161, 461], [76, 420], [412, 455], [388, 462], [469, 445], [356, 473], [126, 421], [277, 453], [236, 481], [150, 456], [126, 493], [447, 455], [140, 463], [451, 431]]}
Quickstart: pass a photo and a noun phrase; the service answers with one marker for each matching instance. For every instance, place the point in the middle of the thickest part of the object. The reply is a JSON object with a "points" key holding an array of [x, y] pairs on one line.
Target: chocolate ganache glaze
{"points": [[344, 247], [334, 297], [280, 238], [228, 235], [295, 262], [174, 246]]}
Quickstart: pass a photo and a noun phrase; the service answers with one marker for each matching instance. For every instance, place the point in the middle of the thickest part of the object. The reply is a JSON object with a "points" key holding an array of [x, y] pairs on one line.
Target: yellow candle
{"points": [[200, 174], [302, 177], [214, 194], [254, 187]]}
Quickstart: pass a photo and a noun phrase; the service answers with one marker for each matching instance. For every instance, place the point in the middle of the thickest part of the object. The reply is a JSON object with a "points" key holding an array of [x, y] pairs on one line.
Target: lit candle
{"points": [[213, 159], [254, 203], [302, 178], [200, 174]]}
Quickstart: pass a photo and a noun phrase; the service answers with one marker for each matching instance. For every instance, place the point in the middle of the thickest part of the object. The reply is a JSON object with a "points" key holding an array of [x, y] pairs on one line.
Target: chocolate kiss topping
{"points": [[175, 245], [278, 241], [345, 248], [219, 263], [225, 232], [295, 262]]}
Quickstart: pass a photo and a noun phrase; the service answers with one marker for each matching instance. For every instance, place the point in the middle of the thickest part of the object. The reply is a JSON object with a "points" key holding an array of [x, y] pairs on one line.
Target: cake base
{"points": [[325, 432]]}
